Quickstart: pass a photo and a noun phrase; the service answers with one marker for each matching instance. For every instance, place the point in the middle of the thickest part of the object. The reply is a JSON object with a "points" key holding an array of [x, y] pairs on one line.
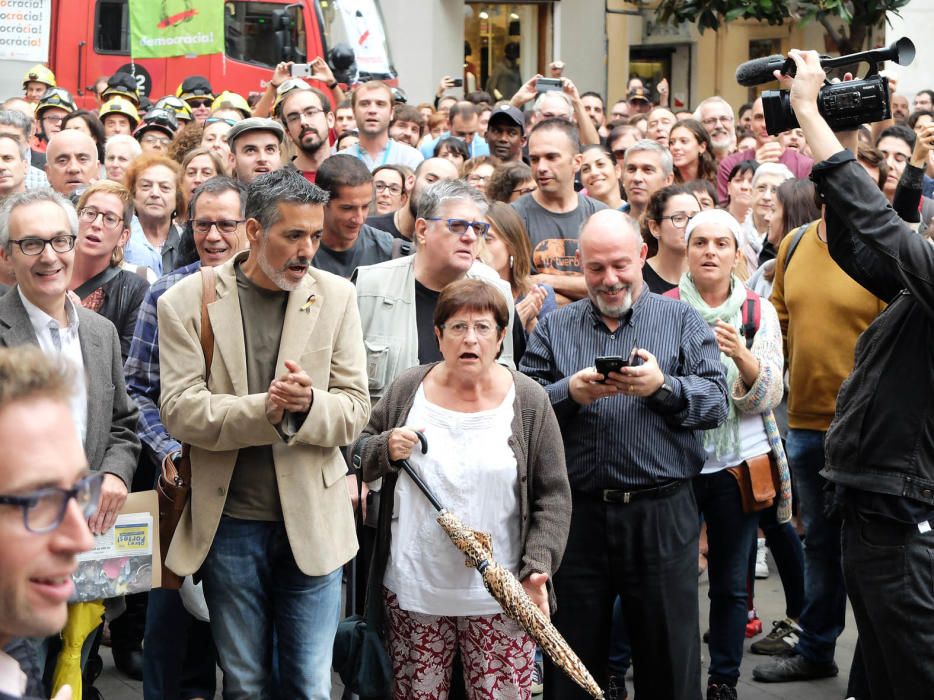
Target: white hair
{"points": [[779, 169], [124, 140]]}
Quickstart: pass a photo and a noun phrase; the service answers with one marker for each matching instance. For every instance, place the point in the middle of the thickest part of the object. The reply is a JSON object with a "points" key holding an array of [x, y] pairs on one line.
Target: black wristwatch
{"points": [[664, 392]]}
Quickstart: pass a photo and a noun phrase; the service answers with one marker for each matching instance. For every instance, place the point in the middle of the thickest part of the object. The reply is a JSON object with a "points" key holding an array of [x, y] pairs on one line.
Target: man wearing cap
{"points": [[197, 92], [119, 116], [638, 99], [505, 134], [255, 148], [54, 105], [156, 131], [372, 104], [37, 80], [307, 116], [633, 445]]}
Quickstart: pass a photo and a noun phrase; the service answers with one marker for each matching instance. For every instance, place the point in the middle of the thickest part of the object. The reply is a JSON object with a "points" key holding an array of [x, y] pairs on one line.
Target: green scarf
{"points": [[725, 439]]}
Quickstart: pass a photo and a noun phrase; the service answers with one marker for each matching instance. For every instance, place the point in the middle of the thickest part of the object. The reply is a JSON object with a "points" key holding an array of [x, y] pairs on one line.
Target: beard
{"points": [[278, 276], [722, 142], [610, 310], [310, 147]]}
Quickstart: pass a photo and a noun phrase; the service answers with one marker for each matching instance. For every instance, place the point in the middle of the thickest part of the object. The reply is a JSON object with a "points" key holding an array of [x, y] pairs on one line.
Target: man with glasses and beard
{"points": [[308, 118], [633, 443]]}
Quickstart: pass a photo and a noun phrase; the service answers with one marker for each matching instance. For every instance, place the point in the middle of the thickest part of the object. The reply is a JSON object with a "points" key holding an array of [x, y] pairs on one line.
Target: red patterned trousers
{"points": [[498, 656]]}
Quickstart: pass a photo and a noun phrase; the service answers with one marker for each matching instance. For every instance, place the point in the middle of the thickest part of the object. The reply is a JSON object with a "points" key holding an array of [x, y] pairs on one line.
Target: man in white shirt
{"points": [[46, 497], [372, 107]]}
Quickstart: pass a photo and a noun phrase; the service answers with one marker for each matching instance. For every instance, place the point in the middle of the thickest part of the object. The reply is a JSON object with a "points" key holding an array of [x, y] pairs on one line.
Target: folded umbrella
{"points": [[507, 590]]}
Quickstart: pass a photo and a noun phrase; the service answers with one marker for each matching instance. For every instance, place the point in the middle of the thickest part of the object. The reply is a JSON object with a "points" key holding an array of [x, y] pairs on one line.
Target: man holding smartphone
{"points": [[633, 444]]}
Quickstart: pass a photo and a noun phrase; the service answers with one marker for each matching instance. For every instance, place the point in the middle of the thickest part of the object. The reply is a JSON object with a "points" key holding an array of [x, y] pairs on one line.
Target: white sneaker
{"points": [[762, 566]]}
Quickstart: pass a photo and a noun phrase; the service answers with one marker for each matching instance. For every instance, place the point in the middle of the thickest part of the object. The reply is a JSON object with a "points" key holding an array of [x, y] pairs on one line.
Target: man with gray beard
{"points": [[716, 115], [633, 443]]}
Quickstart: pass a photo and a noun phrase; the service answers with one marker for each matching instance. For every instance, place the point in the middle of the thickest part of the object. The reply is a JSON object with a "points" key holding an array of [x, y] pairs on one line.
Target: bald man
{"points": [[71, 161], [633, 440]]}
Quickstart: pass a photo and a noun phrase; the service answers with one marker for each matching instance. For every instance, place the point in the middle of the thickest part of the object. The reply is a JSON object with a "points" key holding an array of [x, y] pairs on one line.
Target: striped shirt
{"points": [[627, 442]]}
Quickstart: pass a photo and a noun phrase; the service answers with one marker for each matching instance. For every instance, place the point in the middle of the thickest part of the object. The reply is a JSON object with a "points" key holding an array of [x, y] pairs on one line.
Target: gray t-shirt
{"points": [[254, 492], [554, 236], [372, 246]]}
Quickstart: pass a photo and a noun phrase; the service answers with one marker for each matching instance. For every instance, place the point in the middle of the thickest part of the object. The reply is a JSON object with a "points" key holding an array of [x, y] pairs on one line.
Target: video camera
{"points": [[843, 105]]}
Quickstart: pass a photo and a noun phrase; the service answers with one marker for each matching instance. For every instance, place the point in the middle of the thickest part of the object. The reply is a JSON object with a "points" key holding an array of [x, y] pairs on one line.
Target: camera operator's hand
{"points": [[924, 144], [806, 85]]}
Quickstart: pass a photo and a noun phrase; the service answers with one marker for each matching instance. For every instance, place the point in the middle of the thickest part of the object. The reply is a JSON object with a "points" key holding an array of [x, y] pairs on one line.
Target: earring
{"points": [[510, 262]]}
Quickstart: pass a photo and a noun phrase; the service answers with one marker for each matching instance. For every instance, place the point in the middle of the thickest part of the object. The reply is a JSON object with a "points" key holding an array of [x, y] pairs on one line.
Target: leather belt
{"points": [[621, 496]]}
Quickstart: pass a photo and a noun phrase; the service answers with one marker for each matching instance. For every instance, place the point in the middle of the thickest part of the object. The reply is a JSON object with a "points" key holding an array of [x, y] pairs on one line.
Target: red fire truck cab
{"points": [[91, 38]]}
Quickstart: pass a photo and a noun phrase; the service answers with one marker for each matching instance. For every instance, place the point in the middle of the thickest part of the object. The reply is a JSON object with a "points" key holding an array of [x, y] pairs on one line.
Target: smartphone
{"points": [[457, 82], [301, 70], [548, 85], [614, 363]]}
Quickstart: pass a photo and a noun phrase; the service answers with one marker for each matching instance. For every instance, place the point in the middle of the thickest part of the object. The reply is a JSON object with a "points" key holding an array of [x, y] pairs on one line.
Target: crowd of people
{"points": [[624, 330]]}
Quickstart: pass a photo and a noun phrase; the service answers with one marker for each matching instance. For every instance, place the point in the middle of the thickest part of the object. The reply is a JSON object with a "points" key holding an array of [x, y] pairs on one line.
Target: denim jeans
{"points": [[256, 593], [785, 545], [823, 617], [730, 534]]}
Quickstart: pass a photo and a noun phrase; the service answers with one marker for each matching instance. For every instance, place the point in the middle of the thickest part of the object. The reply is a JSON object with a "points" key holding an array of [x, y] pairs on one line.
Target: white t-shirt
{"points": [[753, 441], [472, 470]]}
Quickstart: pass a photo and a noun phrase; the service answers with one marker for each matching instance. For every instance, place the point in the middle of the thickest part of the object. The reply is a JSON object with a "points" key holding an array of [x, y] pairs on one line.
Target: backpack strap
{"points": [[799, 234], [752, 317], [402, 248]]}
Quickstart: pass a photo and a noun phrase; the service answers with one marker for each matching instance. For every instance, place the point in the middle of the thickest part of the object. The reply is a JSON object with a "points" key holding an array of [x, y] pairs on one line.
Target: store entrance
{"points": [[500, 46]]}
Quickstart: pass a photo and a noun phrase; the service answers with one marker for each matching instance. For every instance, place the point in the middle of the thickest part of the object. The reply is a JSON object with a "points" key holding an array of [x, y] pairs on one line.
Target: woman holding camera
{"points": [[495, 458]]}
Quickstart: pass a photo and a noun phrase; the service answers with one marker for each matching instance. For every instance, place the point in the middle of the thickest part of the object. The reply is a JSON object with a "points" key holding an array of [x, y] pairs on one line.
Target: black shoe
{"points": [[129, 662], [795, 667], [780, 641], [721, 691]]}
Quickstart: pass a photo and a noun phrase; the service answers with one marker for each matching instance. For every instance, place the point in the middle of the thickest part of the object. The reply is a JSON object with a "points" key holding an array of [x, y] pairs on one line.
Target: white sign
{"points": [[365, 35], [24, 30]]}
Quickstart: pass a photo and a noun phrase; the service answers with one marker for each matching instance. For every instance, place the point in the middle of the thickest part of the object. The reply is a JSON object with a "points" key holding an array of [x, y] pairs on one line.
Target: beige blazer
{"points": [[322, 333]]}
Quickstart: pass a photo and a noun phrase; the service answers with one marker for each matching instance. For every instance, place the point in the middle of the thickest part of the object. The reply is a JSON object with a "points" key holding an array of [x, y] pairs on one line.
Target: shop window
{"points": [[500, 48]]}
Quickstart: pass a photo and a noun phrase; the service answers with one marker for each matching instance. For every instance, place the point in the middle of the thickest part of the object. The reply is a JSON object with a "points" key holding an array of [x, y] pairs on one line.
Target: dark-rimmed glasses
{"points": [[459, 227], [203, 226], [89, 215], [678, 220], [44, 509], [32, 245]]}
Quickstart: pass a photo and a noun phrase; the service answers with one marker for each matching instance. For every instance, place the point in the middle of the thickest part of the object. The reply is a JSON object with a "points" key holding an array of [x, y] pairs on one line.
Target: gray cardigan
{"points": [[544, 494]]}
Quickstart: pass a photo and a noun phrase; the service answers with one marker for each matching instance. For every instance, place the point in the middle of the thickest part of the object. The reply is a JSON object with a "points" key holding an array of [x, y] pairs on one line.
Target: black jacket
{"points": [[123, 295], [882, 437]]}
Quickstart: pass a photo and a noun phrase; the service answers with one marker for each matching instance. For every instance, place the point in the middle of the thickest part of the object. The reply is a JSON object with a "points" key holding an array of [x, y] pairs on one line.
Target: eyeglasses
{"points": [[394, 190], [476, 179], [215, 120], [194, 104], [223, 225], [459, 227], [89, 215], [724, 119], [310, 112], [524, 190], [44, 509], [34, 245], [54, 119], [458, 329], [678, 220], [153, 139]]}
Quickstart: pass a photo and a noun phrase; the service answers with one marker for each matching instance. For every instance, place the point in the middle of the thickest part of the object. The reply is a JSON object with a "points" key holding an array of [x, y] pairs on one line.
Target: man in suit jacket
{"points": [[38, 311], [269, 524]]}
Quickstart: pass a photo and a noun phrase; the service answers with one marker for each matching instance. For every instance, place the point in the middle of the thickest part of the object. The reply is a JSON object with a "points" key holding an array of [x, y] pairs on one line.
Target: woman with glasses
{"points": [[477, 172], [104, 210], [391, 193], [600, 175], [746, 449], [692, 152], [153, 182], [669, 211], [514, 490]]}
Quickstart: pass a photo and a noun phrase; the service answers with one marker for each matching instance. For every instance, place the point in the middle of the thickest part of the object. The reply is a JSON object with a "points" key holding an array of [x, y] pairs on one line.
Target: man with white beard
{"points": [[633, 446], [716, 115]]}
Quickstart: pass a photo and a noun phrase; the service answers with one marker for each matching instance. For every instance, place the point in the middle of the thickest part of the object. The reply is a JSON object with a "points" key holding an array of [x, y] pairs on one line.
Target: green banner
{"points": [[162, 28]]}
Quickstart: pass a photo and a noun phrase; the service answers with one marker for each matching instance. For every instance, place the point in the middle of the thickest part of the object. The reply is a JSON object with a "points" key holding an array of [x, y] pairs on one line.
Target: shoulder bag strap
{"points": [[98, 280], [208, 295]]}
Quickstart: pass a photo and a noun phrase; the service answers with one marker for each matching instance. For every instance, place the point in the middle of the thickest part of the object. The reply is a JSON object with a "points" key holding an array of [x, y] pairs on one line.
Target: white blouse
{"points": [[472, 470]]}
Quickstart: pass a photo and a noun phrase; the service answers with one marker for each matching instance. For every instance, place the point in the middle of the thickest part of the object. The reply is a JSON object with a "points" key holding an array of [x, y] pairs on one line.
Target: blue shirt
{"points": [[142, 366], [628, 442], [395, 153], [477, 147], [139, 251]]}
